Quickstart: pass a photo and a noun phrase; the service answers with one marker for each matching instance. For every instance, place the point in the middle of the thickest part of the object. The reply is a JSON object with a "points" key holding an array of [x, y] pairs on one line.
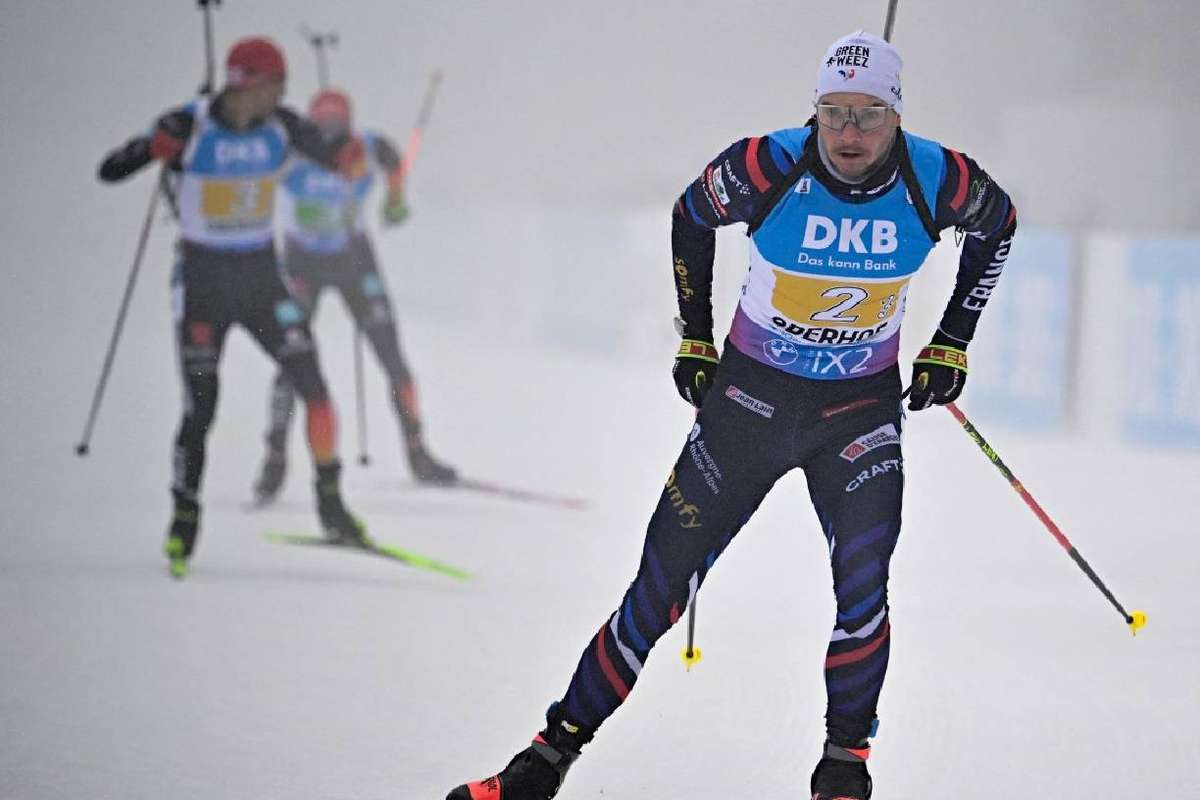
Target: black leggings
{"points": [[756, 424], [355, 275], [212, 290]]}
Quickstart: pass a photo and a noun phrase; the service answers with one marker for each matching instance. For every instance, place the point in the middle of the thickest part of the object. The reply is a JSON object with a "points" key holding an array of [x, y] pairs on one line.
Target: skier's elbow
{"points": [[108, 172]]}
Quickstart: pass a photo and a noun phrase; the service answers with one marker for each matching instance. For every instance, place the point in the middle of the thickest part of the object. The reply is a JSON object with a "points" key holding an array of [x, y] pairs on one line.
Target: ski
{"points": [[525, 495], [501, 490], [374, 548]]}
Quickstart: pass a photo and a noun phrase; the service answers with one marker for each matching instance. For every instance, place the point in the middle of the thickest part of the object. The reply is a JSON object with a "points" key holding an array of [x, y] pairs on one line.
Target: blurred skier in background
{"points": [[326, 245], [229, 153], [841, 213]]}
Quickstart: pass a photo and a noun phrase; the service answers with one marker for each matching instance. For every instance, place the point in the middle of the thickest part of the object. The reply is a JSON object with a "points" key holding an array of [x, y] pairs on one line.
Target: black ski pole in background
{"points": [[360, 396], [890, 22], [81, 449], [321, 43], [210, 66], [207, 89], [162, 185]]}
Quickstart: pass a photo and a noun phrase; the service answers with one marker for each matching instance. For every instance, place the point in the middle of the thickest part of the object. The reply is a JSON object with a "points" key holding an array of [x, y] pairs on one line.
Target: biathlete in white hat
{"points": [[841, 213]]}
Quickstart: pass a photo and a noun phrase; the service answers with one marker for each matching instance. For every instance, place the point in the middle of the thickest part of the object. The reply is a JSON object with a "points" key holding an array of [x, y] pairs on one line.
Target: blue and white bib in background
{"points": [[226, 192], [320, 209]]}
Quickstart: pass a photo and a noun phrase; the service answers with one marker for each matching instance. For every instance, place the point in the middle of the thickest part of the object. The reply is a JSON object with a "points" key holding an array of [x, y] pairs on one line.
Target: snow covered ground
{"points": [[285, 673]]}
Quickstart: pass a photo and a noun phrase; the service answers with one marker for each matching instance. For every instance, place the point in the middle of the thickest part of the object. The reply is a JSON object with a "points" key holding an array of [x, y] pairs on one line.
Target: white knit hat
{"points": [[863, 63]]}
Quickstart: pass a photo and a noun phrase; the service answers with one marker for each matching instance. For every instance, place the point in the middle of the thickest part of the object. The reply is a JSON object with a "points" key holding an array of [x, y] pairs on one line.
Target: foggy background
{"points": [[564, 131], [1085, 110], [532, 285]]}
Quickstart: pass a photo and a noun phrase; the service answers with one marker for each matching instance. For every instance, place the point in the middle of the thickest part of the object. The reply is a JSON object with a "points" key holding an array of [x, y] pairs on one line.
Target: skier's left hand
{"points": [[395, 210], [695, 366], [939, 374]]}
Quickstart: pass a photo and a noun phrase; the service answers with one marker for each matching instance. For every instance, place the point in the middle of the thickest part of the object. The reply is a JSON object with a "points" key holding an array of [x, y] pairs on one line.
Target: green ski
{"points": [[373, 548]]}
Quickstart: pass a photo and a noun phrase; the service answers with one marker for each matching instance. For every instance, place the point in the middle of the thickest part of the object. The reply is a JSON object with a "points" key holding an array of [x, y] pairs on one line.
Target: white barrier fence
{"points": [[1096, 336]]}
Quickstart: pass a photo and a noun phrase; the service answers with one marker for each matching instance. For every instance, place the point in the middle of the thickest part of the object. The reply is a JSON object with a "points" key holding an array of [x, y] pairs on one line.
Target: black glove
{"points": [[939, 374], [694, 370]]}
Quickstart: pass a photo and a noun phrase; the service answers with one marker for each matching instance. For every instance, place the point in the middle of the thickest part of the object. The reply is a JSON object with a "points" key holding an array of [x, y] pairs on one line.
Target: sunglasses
{"points": [[865, 118]]}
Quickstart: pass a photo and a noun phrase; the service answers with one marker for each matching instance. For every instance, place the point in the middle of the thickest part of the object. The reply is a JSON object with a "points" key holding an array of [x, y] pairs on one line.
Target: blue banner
{"points": [[1021, 356], [1161, 405]]}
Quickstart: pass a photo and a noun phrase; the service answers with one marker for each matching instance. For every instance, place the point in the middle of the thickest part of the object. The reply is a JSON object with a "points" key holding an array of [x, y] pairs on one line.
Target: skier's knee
{"points": [[305, 377]]}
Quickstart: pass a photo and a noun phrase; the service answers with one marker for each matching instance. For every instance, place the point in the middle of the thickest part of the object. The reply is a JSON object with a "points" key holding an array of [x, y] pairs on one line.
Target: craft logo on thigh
{"points": [[882, 468], [746, 401], [880, 437], [689, 515]]}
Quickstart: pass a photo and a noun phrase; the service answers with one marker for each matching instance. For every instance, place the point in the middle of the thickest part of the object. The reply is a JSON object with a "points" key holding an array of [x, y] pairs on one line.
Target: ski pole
{"points": [[320, 43], [81, 449], [207, 88], [1135, 620], [209, 84], [423, 115], [890, 22], [364, 458], [691, 653]]}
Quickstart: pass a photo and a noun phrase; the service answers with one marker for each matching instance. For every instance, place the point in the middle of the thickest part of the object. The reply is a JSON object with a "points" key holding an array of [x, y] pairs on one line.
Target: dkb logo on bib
{"points": [[821, 232]]}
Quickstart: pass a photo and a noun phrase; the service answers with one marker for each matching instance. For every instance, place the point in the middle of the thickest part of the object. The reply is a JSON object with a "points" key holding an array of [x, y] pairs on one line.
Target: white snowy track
{"points": [[289, 673]]}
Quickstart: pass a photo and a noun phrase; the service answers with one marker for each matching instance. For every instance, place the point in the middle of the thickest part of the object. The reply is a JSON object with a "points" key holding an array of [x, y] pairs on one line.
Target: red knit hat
{"points": [[330, 105], [253, 62]]}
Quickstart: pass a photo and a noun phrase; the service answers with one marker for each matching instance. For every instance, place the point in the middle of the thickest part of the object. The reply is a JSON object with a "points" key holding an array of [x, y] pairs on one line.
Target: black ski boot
{"points": [[339, 525], [841, 774], [270, 478], [426, 468], [536, 772], [181, 535]]}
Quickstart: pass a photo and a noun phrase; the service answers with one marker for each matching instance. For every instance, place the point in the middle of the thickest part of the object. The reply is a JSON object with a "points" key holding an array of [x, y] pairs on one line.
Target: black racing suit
{"points": [[355, 275], [326, 245], [213, 285]]}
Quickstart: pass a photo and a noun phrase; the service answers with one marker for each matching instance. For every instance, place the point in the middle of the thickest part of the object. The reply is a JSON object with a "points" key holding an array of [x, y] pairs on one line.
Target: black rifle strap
{"points": [[776, 192], [907, 174], [914, 189]]}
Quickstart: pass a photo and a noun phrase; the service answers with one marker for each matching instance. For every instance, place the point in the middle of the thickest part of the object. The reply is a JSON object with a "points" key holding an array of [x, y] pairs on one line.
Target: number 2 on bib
{"points": [[850, 296]]}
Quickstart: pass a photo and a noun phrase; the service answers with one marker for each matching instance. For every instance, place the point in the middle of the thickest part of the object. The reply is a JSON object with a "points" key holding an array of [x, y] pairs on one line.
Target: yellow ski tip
{"points": [[690, 659], [1137, 620]]}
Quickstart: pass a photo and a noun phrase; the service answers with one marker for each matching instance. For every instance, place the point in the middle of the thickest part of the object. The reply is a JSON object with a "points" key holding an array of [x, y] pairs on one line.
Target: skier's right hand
{"points": [[695, 367], [395, 210]]}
